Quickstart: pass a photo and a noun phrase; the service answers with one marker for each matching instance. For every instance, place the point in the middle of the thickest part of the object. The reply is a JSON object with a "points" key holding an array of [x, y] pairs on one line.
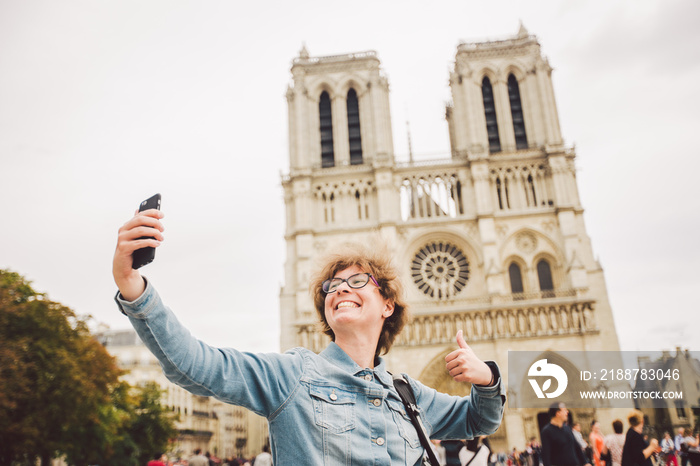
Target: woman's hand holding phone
{"points": [[144, 229]]}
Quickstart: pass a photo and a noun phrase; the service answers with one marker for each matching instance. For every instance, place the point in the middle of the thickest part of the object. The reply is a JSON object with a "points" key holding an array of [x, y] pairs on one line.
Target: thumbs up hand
{"points": [[464, 366]]}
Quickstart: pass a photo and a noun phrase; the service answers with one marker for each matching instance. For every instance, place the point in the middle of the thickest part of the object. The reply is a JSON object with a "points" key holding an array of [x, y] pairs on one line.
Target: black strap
{"points": [[476, 453], [409, 401]]}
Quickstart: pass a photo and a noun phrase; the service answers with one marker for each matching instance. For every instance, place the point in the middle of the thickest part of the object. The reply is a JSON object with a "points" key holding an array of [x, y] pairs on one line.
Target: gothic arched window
{"points": [[516, 110], [516, 278], [326, 127], [354, 137], [544, 274], [490, 114]]}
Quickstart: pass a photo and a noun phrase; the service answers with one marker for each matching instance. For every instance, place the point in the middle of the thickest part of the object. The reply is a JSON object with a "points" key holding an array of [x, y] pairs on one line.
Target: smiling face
{"points": [[378, 262], [349, 310]]}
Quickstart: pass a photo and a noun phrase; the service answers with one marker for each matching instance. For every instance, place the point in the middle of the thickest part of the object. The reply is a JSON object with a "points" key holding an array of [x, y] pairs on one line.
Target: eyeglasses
{"points": [[358, 280]]}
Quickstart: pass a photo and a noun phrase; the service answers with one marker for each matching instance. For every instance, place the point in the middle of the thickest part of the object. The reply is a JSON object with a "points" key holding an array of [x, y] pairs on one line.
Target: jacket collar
{"points": [[336, 356]]}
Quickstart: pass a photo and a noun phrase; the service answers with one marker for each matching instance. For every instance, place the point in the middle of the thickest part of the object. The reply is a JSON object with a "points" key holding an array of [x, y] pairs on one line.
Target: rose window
{"points": [[440, 270]]}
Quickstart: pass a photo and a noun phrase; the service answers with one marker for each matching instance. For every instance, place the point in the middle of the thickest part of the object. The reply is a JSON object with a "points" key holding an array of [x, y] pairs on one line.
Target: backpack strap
{"points": [[409, 401], [476, 453]]}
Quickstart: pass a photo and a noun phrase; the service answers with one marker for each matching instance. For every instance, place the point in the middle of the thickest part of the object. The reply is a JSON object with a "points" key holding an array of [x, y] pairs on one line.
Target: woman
{"points": [[636, 450], [668, 450], [336, 407], [597, 441], [614, 443], [693, 449]]}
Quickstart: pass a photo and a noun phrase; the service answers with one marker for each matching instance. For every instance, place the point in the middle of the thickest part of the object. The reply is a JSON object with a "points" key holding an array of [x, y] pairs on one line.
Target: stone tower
{"points": [[490, 239]]}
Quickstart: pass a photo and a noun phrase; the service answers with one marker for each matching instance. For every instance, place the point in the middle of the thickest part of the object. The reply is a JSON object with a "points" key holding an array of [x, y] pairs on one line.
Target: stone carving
{"points": [[500, 323], [480, 325], [532, 322], [564, 314], [544, 323], [526, 242], [588, 321], [522, 323]]}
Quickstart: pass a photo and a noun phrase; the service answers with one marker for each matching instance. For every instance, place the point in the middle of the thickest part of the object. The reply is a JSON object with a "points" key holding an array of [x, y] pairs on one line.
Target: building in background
{"points": [[490, 239], [223, 429], [679, 374]]}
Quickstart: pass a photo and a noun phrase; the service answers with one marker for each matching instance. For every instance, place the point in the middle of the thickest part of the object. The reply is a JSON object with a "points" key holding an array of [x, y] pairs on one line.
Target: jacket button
{"points": [[380, 441], [333, 396], [368, 377], [376, 402]]}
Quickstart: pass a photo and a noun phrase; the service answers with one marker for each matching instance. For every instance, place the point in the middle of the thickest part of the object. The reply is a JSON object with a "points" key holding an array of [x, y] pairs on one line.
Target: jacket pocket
{"points": [[404, 424], [334, 408]]}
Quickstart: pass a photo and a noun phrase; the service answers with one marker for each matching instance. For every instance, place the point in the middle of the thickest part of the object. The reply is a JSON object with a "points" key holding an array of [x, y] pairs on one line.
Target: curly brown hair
{"points": [[378, 263]]}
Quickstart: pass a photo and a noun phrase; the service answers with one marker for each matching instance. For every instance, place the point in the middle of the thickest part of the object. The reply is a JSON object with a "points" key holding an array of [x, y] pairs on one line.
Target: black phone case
{"points": [[145, 256]]}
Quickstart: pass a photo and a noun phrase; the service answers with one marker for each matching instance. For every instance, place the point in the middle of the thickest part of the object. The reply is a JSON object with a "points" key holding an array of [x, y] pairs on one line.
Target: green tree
{"points": [[153, 427], [142, 426], [55, 378], [60, 393]]}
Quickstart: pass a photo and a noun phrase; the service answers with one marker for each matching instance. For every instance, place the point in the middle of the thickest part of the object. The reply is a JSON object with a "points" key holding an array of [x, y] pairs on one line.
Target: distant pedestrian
{"points": [[452, 449], [693, 446], [615, 442], [576, 430], [637, 452], [159, 459], [264, 458], [476, 453], [536, 449], [668, 450], [682, 451], [597, 442], [198, 459], [559, 447]]}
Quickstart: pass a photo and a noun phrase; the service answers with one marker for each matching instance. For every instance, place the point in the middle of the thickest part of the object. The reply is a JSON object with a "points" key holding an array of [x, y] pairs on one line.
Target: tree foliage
{"points": [[60, 393]]}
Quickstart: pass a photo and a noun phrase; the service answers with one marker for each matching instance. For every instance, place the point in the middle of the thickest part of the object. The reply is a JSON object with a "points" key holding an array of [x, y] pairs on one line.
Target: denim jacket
{"points": [[322, 409]]}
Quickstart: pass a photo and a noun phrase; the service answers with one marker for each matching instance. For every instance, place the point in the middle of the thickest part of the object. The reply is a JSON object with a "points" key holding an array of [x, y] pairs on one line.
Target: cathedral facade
{"points": [[490, 240]]}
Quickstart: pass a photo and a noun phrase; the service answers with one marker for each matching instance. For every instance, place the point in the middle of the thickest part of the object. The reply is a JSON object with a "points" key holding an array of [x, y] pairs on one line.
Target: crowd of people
{"points": [[561, 445], [564, 444], [206, 459]]}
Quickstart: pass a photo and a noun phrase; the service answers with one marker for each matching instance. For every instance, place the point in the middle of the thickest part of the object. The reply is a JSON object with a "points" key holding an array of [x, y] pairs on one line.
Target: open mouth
{"points": [[346, 304]]}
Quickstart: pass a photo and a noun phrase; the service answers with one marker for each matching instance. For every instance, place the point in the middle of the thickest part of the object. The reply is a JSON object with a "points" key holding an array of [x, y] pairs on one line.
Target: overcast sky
{"points": [[104, 103]]}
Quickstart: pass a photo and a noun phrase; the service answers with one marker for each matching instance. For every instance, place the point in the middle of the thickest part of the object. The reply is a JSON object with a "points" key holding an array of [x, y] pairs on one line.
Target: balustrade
{"points": [[518, 322]]}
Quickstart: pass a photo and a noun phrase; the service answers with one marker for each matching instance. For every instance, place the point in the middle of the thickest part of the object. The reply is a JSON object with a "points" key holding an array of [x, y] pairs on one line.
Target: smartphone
{"points": [[145, 256]]}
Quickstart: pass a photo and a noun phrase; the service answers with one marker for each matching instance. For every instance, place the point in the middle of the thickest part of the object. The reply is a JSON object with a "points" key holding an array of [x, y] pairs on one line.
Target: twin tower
{"points": [[490, 240]]}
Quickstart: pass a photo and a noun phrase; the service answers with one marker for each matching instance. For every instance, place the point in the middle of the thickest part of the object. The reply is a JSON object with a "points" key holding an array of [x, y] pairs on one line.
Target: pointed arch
{"points": [[354, 133], [544, 276], [516, 111], [516, 278], [490, 115], [326, 128]]}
